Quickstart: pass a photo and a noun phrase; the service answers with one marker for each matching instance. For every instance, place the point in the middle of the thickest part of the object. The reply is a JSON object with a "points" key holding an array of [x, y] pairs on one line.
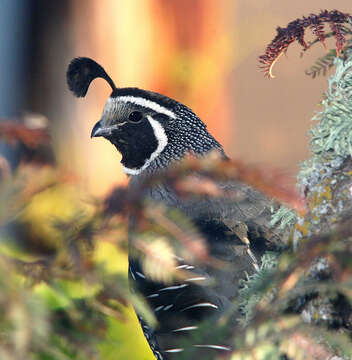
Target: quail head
{"points": [[152, 132]]}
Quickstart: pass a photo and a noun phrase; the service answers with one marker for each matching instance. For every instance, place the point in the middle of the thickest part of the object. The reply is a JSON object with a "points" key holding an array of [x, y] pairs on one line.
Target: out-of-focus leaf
{"points": [[14, 132], [113, 260], [119, 335], [54, 299], [159, 260]]}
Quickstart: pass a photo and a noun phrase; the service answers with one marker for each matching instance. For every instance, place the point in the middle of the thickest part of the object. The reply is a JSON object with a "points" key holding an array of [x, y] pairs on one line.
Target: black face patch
{"points": [[135, 142]]}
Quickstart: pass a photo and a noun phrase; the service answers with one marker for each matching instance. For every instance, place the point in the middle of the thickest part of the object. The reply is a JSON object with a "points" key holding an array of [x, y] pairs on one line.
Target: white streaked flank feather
{"points": [[140, 274], [174, 287], [132, 274], [208, 304], [217, 347], [173, 350], [152, 296], [187, 328], [199, 278]]}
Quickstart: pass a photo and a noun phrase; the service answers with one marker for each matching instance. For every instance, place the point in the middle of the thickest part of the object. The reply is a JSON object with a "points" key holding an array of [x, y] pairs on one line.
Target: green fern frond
{"points": [[283, 217], [326, 62], [256, 286], [322, 65]]}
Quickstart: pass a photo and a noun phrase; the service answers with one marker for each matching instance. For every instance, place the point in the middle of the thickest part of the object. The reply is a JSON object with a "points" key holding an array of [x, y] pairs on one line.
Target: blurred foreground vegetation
{"points": [[64, 291], [63, 264], [63, 253]]}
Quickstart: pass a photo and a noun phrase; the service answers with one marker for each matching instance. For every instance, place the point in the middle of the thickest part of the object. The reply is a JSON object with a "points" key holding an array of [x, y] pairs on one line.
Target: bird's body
{"points": [[180, 307], [153, 132]]}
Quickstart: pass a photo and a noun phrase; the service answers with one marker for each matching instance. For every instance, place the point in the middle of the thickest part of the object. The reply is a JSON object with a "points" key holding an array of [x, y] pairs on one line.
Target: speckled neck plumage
{"points": [[174, 128]]}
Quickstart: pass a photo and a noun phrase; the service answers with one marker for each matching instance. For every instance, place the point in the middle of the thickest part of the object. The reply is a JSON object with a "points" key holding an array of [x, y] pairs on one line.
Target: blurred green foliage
{"points": [[63, 256], [64, 291], [63, 261]]}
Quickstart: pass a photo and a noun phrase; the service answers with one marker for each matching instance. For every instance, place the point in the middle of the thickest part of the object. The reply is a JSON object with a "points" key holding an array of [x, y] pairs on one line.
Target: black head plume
{"points": [[81, 72]]}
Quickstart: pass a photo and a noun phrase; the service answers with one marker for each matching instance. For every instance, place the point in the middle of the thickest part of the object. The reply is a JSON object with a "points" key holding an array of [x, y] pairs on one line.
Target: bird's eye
{"points": [[135, 117]]}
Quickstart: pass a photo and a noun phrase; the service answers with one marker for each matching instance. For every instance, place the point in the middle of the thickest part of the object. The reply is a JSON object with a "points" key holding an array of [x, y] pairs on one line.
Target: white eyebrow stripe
{"points": [[201, 305], [148, 104], [218, 347]]}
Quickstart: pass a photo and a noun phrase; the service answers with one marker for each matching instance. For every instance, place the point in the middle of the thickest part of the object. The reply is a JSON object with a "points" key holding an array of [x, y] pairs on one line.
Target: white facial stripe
{"points": [[147, 104], [161, 138], [129, 171]]}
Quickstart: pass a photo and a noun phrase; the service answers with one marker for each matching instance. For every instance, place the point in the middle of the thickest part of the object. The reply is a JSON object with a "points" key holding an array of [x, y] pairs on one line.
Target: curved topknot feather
{"points": [[81, 72]]}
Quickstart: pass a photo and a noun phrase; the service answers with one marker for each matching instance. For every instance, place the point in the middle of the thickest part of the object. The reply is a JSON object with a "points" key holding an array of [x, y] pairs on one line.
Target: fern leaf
{"points": [[295, 31]]}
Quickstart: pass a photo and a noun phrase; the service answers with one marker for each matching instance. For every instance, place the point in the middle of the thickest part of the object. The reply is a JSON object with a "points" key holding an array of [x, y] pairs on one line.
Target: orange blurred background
{"points": [[200, 52]]}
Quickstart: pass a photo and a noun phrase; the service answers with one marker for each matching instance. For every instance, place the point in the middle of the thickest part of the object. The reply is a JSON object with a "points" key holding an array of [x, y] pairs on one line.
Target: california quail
{"points": [[152, 132]]}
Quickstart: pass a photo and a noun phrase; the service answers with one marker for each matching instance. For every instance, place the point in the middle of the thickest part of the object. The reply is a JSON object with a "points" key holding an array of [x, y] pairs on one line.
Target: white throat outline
{"points": [[161, 138]]}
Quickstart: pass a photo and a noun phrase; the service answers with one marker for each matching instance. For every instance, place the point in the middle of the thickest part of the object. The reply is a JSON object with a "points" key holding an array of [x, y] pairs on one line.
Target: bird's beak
{"points": [[101, 130], [97, 130]]}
